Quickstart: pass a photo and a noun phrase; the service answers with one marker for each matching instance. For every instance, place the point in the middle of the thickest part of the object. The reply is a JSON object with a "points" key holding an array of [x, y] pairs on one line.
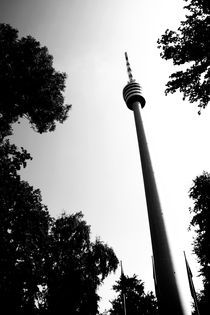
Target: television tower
{"points": [[169, 298]]}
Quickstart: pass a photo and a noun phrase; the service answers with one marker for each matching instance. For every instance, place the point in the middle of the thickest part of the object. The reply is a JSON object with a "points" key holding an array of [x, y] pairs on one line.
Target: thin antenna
{"points": [[130, 75], [191, 284], [123, 289]]}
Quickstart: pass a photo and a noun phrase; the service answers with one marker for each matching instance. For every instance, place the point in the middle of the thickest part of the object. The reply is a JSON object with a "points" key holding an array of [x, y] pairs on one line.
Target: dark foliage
{"points": [[23, 233], [47, 266], [137, 301], [190, 46], [30, 86], [200, 193], [77, 267]]}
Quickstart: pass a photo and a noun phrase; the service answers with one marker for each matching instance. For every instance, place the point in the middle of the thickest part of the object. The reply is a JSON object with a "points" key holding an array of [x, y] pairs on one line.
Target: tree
{"points": [[200, 193], [47, 266], [190, 47], [23, 233], [137, 301], [30, 86], [76, 268]]}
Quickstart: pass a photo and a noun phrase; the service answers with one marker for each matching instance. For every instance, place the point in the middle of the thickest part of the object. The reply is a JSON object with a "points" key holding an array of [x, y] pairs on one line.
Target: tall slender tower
{"points": [[169, 299]]}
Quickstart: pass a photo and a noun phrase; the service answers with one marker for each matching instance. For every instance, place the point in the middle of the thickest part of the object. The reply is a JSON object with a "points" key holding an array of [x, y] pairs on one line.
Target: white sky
{"points": [[91, 162]]}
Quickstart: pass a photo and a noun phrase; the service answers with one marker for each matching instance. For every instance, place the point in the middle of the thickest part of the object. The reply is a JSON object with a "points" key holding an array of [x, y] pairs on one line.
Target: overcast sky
{"points": [[91, 162]]}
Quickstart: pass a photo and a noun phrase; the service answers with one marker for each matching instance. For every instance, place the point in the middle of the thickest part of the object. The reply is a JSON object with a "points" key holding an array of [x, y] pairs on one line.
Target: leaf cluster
{"points": [[78, 266], [23, 231], [189, 47], [136, 300], [200, 193], [47, 265], [30, 86]]}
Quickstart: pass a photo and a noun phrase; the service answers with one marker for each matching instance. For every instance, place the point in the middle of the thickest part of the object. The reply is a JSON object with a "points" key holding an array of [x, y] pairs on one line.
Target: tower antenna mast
{"points": [[130, 75], [169, 298]]}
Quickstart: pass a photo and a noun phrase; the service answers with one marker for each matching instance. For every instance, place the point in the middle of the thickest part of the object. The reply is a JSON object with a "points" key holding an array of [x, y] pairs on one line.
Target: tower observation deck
{"points": [[167, 291], [132, 91]]}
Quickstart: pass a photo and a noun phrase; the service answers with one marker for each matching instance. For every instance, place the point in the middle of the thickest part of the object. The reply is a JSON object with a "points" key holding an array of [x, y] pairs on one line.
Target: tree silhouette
{"points": [[47, 266], [23, 233], [137, 301], [30, 86], [200, 193], [190, 46], [76, 268]]}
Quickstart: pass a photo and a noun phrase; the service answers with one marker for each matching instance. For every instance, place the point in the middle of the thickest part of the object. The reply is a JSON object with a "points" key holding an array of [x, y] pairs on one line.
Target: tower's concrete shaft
{"points": [[169, 299]]}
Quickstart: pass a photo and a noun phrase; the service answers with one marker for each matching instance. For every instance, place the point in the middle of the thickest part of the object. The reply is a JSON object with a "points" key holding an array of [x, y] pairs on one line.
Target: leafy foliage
{"points": [[78, 267], [30, 86], [190, 46], [23, 233], [137, 301], [47, 266], [200, 193]]}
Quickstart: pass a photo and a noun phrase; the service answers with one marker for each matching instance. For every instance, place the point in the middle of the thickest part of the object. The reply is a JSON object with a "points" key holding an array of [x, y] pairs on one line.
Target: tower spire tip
{"points": [[130, 75]]}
